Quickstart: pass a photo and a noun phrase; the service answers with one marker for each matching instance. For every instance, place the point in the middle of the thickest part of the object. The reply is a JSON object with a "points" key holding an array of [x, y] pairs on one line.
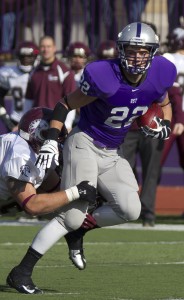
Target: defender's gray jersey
{"points": [[15, 81], [17, 160]]}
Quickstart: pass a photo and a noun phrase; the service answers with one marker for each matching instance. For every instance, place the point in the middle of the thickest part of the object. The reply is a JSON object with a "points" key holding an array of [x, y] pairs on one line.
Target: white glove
{"points": [[48, 153]]}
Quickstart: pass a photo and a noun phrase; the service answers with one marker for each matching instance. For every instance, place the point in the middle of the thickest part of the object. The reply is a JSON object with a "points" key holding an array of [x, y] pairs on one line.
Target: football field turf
{"points": [[122, 264]]}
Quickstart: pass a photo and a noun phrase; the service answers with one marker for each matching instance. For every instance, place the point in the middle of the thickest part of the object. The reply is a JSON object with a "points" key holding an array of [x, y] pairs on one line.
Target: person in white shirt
{"points": [[13, 82]]}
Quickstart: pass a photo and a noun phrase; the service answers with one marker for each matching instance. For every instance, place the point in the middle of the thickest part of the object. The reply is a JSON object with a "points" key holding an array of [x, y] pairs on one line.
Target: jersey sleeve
{"points": [[99, 80], [22, 169]]}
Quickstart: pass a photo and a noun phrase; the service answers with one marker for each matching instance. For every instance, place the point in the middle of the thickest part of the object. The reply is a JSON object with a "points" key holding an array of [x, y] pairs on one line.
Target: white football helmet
{"points": [[140, 35]]}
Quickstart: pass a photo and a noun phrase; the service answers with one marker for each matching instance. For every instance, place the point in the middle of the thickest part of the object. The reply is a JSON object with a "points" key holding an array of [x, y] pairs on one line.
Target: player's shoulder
{"points": [[9, 71], [104, 76], [100, 69], [106, 64], [16, 142], [163, 63], [162, 72]]}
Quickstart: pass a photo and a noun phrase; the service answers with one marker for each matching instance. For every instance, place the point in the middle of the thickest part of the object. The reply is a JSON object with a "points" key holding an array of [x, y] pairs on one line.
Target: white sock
{"points": [[48, 236]]}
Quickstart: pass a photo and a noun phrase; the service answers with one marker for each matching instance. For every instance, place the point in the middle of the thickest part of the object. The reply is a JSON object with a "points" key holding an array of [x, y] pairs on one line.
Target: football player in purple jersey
{"points": [[112, 94]]}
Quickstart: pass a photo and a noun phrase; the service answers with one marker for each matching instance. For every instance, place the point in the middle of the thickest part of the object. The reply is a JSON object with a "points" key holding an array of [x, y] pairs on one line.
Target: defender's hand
{"points": [[85, 190], [162, 131], [48, 153]]}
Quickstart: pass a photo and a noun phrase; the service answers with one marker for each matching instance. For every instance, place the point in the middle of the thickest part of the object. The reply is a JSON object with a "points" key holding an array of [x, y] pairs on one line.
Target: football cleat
{"points": [[22, 283], [78, 259]]}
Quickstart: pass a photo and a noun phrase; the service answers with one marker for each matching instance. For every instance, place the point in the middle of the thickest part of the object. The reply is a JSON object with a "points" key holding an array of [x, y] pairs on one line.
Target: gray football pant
{"points": [[111, 174]]}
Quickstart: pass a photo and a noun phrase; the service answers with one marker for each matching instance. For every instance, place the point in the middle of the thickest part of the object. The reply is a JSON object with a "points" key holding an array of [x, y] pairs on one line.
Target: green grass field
{"points": [[121, 265]]}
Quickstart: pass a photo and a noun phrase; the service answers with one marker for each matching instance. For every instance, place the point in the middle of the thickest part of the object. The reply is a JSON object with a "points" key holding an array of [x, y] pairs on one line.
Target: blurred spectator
{"points": [[13, 81], [134, 9], [78, 54], [51, 80], [176, 56], [94, 11], [175, 10], [107, 50]]}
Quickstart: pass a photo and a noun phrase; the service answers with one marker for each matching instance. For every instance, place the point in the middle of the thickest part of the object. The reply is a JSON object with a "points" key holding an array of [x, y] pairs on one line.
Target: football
{"points": [[155, 110]]}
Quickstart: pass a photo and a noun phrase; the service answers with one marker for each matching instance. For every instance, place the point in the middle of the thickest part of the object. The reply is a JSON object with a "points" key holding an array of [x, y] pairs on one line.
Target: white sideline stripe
{"points": [[130, 226], [155, 299], [69, 293], [103, 243]]}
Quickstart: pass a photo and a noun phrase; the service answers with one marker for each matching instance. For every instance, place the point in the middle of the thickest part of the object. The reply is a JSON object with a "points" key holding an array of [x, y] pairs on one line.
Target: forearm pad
{"points": [[60, 112]]}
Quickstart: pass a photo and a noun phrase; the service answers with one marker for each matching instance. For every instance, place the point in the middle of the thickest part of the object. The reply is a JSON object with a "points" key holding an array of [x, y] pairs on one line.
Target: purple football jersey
{"points": [[118, 104]]}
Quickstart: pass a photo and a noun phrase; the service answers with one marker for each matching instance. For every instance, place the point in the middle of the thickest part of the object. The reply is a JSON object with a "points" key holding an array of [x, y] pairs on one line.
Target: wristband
{"points": [[72, 193], [53, 134], [60, 112]]}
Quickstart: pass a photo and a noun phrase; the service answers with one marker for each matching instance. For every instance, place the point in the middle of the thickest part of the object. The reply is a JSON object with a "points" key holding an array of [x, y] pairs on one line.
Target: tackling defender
{"points": [[112, 94], [21, 181]]}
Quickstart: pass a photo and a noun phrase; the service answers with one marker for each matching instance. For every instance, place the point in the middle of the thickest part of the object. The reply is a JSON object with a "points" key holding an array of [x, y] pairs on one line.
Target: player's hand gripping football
{"points": [[48, 156], [162, 131]]}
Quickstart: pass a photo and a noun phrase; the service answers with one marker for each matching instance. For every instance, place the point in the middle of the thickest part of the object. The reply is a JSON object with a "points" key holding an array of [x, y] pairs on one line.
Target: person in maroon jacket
{"points": [[51, 80], [177, 126]]}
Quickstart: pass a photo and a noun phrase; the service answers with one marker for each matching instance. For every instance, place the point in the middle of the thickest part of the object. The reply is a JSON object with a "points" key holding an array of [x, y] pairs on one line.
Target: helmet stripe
{"points": [[138, 33]]}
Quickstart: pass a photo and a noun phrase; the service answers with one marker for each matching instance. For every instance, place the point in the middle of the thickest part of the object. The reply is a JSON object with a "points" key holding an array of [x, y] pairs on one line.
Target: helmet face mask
{"points": [[141, 36]]}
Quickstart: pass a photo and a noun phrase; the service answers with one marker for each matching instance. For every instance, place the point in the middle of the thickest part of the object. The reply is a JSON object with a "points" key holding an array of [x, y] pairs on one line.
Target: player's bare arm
{"points": [[49, 151], [75, 100], [37, 204]]}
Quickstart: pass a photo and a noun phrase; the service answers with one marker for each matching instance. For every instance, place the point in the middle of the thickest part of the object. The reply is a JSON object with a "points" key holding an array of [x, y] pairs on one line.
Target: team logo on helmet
{"points": [[38, 129]]}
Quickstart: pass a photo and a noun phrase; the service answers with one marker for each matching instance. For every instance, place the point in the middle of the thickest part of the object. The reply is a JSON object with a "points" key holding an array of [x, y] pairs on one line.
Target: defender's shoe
{"points": [[78, 259], [23, 284]]}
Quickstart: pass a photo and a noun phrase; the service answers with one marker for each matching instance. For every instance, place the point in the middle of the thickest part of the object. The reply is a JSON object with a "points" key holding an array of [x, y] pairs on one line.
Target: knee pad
{"points": [[74, 218], [133, 207]]}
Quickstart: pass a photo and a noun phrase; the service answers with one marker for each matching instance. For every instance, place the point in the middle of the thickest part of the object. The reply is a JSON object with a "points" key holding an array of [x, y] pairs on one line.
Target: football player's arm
{"points": [[75, 100], [37, 204], [49, 151]]}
